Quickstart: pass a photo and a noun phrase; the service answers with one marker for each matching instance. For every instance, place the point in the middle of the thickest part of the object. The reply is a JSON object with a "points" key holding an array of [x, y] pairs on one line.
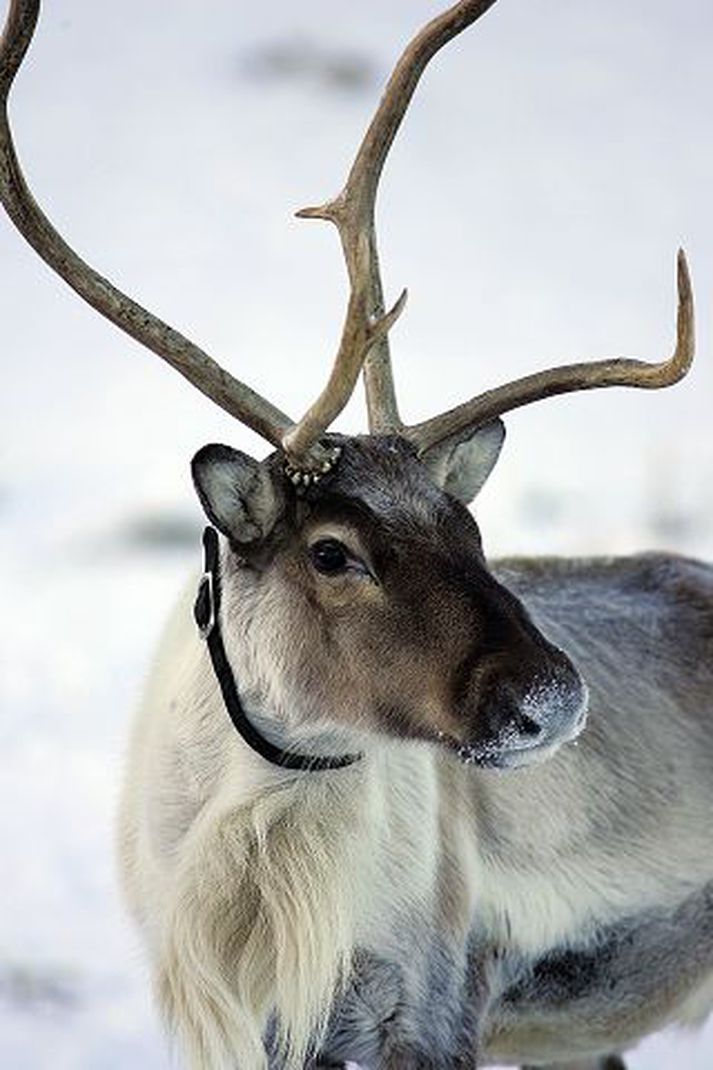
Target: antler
{"points": [[193, 363], [366, 324], [364, 342], [570, 377], [364, 336]]}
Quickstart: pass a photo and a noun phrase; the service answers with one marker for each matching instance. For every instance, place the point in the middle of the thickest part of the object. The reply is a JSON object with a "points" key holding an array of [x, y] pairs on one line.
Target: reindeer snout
{"points": [[523, 710]]}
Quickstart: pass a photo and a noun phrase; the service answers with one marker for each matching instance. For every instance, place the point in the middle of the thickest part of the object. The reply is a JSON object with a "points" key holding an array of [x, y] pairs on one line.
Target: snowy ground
{"points": [[553, 161]]}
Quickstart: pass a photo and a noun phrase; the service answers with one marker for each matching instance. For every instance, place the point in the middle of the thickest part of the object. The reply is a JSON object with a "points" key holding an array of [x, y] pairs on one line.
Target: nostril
{"points": [[502, 710], [526, 726]]}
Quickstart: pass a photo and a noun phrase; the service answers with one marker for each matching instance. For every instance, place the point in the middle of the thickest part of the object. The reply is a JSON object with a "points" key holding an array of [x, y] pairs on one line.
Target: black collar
{"points": [[207, 615]]}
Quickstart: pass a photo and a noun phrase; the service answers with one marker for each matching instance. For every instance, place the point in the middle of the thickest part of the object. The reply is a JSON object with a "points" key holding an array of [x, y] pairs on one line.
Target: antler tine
{"points": [[364, 339], [191, 361], [570, 377]]}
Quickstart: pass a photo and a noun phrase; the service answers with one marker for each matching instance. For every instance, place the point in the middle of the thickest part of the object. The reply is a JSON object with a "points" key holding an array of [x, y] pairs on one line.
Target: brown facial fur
{"points": [[417, 639]]}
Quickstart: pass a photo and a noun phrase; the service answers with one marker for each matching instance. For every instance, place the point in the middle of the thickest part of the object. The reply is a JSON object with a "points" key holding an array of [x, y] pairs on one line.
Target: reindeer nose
{"points": [[526, 706], [544, 709], [518, 696]]}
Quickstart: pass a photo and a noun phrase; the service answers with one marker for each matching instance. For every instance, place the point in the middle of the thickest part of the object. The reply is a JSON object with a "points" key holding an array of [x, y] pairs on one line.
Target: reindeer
{"points": [[361, 818]]}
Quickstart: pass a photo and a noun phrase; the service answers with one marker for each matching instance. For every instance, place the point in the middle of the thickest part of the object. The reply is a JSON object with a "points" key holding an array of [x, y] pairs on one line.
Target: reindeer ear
{"points": [[461, 464], [237, 493]]}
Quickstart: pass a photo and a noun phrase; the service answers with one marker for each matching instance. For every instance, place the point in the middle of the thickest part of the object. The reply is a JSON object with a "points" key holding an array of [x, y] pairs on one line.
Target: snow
{"points": [[553, 160]]}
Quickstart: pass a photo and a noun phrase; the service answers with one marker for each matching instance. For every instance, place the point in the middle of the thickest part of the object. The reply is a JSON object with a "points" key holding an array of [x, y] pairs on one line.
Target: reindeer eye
{"points": [[329, 556]]}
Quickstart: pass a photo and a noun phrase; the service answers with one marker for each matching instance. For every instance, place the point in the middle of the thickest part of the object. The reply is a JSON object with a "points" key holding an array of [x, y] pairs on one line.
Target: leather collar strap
{"points": [[207, 615]]}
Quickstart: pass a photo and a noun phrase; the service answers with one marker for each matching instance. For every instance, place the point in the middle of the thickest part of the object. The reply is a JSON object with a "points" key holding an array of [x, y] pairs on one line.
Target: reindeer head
{"points": [[364, 602], [369, 597]]}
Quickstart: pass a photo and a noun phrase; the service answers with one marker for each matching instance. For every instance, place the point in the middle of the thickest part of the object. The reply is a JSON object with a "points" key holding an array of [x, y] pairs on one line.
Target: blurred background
{"points": [[554, 158]]}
